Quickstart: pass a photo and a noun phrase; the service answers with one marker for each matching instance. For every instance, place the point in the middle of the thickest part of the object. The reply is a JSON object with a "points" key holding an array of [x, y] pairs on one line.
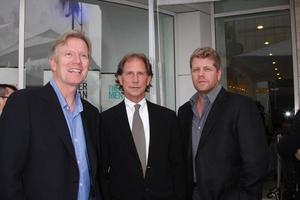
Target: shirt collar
{"points": [[130, 104], [212, 95], [63, 103]]}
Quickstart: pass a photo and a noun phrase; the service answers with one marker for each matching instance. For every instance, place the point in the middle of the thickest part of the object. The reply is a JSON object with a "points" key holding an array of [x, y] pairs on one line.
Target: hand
{"points": [[297, 154]]}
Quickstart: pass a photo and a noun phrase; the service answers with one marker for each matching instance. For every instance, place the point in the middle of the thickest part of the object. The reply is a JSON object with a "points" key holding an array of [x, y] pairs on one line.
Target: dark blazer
{"points": [[232, 156], [287, 147], [289, 143], [123, 176], [37, 157]]}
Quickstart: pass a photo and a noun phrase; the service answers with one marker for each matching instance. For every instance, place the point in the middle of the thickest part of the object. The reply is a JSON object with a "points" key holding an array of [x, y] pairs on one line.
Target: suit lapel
{"points": [[125, 128], [212, 116], [152, 127], [92, 155], [189, 124], [56, 114]]}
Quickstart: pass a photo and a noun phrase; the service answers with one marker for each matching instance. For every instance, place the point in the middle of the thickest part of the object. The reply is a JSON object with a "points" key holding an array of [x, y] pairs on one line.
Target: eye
{"points": [[129, 73], [195, 70], [68, 54], [207, 69], [84, 55], [141, 73]]}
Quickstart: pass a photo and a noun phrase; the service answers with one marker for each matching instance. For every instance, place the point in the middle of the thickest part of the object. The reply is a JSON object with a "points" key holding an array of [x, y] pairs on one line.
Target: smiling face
{"points": [[205, 75], [70, 63], [134, 79]]}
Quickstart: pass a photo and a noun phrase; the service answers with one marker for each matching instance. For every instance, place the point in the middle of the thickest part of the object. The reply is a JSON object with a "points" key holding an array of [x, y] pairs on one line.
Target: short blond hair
{"points": [[61, 40], [206, 52]]}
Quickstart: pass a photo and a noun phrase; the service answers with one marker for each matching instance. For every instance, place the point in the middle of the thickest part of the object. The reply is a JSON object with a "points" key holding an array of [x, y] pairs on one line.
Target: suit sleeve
{"points": [[253, 149], [177, 162], [14, 142]]}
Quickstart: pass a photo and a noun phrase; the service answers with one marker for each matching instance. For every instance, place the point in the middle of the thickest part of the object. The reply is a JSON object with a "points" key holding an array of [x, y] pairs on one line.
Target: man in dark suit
{"points": [[5, 91], [49, 136], [150, 168], [289, 149], [224, 140]]}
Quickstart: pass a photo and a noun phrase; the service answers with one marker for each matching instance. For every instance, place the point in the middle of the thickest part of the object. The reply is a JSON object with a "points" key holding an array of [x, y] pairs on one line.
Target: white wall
{"points": [[192, 30]]}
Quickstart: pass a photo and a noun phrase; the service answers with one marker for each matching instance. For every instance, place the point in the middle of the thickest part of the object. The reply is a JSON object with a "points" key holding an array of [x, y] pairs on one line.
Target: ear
{"points": [[149, 80], [52, 64], [219, 74], [119, 77]]}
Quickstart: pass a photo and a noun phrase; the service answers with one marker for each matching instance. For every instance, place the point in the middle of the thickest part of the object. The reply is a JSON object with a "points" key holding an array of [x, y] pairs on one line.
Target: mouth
{"points": [[75, 70], [135, 88]]}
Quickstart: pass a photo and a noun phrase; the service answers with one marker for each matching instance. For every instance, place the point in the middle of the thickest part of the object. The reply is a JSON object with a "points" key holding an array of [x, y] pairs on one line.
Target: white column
{"points": [[153, 90], [21, 68]]}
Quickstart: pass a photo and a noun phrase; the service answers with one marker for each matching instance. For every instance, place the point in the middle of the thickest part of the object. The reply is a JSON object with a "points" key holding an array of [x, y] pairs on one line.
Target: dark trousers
{"points": [[195, 194]]}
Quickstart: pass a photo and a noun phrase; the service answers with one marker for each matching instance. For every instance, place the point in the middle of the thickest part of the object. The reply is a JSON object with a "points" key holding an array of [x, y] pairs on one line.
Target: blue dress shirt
{"points": [[74, 122]]}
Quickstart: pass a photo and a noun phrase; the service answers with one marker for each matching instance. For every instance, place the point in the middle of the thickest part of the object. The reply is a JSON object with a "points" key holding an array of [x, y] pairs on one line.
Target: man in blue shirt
{"points": [[49, 135]]}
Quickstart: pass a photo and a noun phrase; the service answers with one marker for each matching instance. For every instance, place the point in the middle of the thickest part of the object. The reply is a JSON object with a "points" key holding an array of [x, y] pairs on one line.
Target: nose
{"points": [[135, 77], [200, 72], [77, 58]]}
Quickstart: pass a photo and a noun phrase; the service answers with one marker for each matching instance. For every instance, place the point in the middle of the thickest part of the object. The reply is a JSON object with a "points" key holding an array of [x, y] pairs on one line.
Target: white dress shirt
{"points": [[144, 116]]}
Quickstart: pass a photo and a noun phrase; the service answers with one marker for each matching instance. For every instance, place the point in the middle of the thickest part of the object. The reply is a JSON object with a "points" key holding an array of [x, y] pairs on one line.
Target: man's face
{"points": [[3, 99], [134, 79], [205, 75], [70, 63]]}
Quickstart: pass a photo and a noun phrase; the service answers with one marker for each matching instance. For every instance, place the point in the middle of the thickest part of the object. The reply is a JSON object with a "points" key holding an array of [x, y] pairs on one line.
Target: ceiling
{"points": [[180, 6]]}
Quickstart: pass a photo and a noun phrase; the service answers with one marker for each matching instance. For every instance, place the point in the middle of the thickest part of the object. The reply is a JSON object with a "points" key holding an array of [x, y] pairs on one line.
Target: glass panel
{"points": [[124, 30], [44, 22], [257, 62], [164, 28], [238, 5], [9, 42]]}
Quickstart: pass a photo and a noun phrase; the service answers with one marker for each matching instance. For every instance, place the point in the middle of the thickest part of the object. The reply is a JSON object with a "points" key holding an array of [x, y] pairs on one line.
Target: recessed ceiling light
{"points": [[259, 27], [270, 54], [278, 74], [266, 43], [273, 62], [276, 68], [279, 78]]}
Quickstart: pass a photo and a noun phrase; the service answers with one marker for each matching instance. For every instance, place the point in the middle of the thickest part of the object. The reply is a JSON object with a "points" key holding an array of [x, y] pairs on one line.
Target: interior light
{"points": [[278, 74], [266, 42], [275, 68], [270, 54], [279, 78], [259, 27], [288, 114], [273, 62]]}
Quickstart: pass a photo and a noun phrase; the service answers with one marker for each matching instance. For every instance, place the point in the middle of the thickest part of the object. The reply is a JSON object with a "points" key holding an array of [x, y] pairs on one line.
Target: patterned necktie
{"points": [[139, 136]]}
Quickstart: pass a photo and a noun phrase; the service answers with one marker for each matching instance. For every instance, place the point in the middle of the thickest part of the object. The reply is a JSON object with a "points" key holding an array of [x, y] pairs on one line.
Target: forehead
{"points": [[134, 64], [73, 43], [9, 90], [201, 62]]}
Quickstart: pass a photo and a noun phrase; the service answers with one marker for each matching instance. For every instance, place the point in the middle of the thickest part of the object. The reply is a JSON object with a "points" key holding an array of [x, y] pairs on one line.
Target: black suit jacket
{"points": [[232, 155], [37, 157], [123, 176], [287, 147]]}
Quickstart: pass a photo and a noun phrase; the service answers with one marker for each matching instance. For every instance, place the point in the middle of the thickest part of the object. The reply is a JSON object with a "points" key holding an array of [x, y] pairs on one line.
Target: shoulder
{"points": [[89, 107], [235, 99], [115, 110], [25, 94], [152, 107], [186, 106]]}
